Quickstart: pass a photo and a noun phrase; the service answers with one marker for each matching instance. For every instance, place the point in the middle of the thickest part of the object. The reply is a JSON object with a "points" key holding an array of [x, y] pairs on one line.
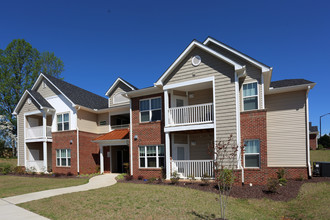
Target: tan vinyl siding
{"points": [[224, 87], [253, 73], [103, 128], [47, 91], [201, 97], [87, 121], [120, 88], [286, 129], [200, 151], [20, 120]]}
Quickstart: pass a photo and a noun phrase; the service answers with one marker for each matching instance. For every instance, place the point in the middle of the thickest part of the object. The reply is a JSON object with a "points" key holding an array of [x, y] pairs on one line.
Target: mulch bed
{"points": [[284, 193]]}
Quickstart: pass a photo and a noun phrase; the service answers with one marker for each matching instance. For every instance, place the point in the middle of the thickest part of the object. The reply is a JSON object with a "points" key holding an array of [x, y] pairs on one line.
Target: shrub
{"points": [[128, 177], [57, 174], [175, 178], [191, 178], [225, 178], [205, 178], [6, 169], [300, 178], [120, 176], [140, 177], [19, 170], [272, 185], [320, 147], [280, 176], [151, 180], [282, 181]]}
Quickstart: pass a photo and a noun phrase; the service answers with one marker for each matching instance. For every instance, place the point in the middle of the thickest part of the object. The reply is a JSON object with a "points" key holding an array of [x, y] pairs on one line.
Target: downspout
{"points": [[131, 137], [77, 142], [307, 134]]}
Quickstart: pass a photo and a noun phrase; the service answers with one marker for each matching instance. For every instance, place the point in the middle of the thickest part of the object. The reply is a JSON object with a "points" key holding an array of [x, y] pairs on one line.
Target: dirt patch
{"points": [[284, 193]]}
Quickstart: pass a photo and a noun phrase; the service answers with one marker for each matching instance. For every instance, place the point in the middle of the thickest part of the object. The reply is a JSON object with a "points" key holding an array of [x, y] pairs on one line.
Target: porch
{"points": [[191, 154], [38, 157]]}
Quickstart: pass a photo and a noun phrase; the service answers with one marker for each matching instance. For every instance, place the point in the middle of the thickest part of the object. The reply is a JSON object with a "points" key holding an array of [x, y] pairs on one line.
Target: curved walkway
{"points": [[8, 209]]}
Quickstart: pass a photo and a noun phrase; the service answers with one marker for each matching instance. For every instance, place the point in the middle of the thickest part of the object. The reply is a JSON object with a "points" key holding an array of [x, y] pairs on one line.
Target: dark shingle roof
{"points": [[313, 128], [129, 83], [43, 102], [78, 95], [289, 82]]}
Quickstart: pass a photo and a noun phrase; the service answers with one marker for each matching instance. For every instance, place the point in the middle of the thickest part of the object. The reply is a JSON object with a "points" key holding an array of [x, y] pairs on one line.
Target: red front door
{"points": [[106, 156]]}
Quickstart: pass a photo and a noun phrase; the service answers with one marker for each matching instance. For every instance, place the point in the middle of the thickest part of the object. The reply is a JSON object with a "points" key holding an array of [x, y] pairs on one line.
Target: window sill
{"points": [[63, 166], [252, 168], [149, 168], [150, 122]]}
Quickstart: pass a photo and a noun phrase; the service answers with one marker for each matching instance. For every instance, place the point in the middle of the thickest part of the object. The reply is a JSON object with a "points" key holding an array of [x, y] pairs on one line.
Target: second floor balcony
{"points": [[37, 132], [190, 115]]}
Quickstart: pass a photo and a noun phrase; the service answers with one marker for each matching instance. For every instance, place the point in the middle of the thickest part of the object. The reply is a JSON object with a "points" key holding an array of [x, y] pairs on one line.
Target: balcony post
{"points": [[45, 157], [167, 155], [44, 125], [101, 160], [166, 107]]}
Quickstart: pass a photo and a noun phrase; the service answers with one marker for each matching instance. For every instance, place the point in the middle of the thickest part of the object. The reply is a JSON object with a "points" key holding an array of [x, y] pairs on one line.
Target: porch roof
{"points": [[117, 134]]}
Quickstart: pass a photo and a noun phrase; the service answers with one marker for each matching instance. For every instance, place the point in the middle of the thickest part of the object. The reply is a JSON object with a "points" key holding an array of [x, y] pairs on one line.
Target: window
{"points": [[63, 157], [250, 96], [151, 156], [150, 110], [63, 122], [252, 153]]}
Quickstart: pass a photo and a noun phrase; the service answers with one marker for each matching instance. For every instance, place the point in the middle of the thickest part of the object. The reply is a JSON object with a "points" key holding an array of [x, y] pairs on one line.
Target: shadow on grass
{"points": [[203, 216]]}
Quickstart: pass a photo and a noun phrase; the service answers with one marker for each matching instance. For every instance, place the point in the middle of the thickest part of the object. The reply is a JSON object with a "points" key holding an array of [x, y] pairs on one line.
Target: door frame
{"points": [[186, 149]]}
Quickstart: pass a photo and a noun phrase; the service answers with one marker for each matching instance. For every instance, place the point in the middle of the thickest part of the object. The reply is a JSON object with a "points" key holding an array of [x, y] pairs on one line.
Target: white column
{"points": [[44, 134], [166, 107], [101, 160], [167, 155]]}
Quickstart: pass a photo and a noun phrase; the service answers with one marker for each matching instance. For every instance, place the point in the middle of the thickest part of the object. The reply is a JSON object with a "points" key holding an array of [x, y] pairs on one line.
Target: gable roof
{"points": [[289, 82], [190, 47], [117, 82], [36, 97], [75, 94], [313, 129], [263, 66]]}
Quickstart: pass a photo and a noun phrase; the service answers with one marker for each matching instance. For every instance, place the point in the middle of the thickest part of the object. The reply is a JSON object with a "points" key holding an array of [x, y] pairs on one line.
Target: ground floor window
{"points": [[252, 153], [151, 156], [63, 157]]}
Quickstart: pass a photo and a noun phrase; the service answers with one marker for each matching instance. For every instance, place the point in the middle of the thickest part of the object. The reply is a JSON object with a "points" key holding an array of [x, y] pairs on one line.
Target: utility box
{"points": [[321, 169]]}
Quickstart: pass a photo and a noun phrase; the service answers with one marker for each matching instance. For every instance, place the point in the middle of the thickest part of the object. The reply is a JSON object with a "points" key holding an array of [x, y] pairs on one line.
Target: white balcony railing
{"points": [[195, 168], [35, 166], [192, 114], [36, 132]]}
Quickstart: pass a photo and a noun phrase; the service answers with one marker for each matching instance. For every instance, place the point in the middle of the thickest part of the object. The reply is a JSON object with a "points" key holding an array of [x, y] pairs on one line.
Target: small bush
{"points": [[57, 174], [175, 178], [151, 180], [282, 181], [280, 173], [6, 169], [191, 178], [140, 177], [128, 177], [272, 185], [320, 147], [20, 170], [205, 178]]}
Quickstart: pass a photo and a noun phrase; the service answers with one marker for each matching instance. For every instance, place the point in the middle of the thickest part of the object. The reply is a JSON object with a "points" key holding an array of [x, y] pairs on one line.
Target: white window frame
{"points": [[150, 110], [146, 157], [63, 113], [252, 154], [250, 96], [66, 158]]}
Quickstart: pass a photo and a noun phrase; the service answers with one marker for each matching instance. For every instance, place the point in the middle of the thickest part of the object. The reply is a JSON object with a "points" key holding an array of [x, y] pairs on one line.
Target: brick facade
{"points": [[313, 141], [149, 133], [254, 126], [88, 152]]}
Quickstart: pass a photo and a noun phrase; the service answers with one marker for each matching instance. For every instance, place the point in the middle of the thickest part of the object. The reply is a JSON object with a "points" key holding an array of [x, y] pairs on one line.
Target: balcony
{"points": [[37, 132], [190, 115], [196, 168]]}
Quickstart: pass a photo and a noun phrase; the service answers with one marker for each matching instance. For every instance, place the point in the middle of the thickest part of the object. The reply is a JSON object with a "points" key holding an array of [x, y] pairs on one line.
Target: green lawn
{"points": [[320, 155], [139, 201], [11, 162], [16, 185]]}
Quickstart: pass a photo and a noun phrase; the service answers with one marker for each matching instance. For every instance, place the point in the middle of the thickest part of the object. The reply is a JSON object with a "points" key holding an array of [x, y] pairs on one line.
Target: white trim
{"points": [[101, 160], [145, 91], [238, 120], [146, 157], [290, 88], [60, 157], [263, 67], [78, 153], [39, 140], [307, 134], [167, 155], [190, 127], [23, 98], [24, 133], [251, 96], [262, 92], [150, 110], [63, 113], [131, 136], [17, 141], [188, 83], [253, 154], [115, 84], [191, 46], [32, 112], [214, 119], [166, 100]]}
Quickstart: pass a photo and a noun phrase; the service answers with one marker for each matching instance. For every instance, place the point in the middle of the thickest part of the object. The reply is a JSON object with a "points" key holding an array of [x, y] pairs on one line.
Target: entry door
{"points": [[120, 161], [180, 147], [179, 101], [106, 153]]}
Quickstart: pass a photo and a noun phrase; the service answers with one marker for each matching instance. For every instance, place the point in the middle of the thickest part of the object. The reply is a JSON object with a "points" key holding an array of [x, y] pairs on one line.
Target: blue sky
{"points": [[138, 40]]}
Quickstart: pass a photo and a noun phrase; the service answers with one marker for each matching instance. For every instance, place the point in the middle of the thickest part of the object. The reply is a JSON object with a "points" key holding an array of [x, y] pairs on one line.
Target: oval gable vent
{"points": [[196, 60]]}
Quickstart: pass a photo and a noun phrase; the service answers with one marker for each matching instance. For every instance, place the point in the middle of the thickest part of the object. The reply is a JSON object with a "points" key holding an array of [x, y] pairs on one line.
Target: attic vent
{"points": [[29, 101], [196, 60]]}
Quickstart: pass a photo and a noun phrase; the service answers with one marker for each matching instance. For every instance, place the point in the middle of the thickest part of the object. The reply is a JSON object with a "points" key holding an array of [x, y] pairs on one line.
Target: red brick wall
{"points": [[254, 126], [313, 141], [149, 133], [88, 151]]}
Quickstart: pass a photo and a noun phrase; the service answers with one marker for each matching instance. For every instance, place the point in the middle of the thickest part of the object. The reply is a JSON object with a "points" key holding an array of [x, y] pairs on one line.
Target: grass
{"points": [[12, 162], [140, 201], [320, 155], [17, 185]]}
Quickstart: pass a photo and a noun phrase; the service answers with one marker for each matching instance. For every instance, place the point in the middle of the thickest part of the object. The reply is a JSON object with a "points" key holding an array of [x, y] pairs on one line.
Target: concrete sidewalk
{"points": [[8, 210]]}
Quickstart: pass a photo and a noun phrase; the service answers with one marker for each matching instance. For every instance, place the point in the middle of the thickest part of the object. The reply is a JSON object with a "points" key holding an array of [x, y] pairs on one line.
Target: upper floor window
{"points": [[252, 153], [250, 96], [150, 109], [63, 122]]}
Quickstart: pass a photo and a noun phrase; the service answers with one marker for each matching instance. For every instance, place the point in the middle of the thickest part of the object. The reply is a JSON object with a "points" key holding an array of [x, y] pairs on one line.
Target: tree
{"points": [[227, 153], [20, 65], [325, 141]]}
